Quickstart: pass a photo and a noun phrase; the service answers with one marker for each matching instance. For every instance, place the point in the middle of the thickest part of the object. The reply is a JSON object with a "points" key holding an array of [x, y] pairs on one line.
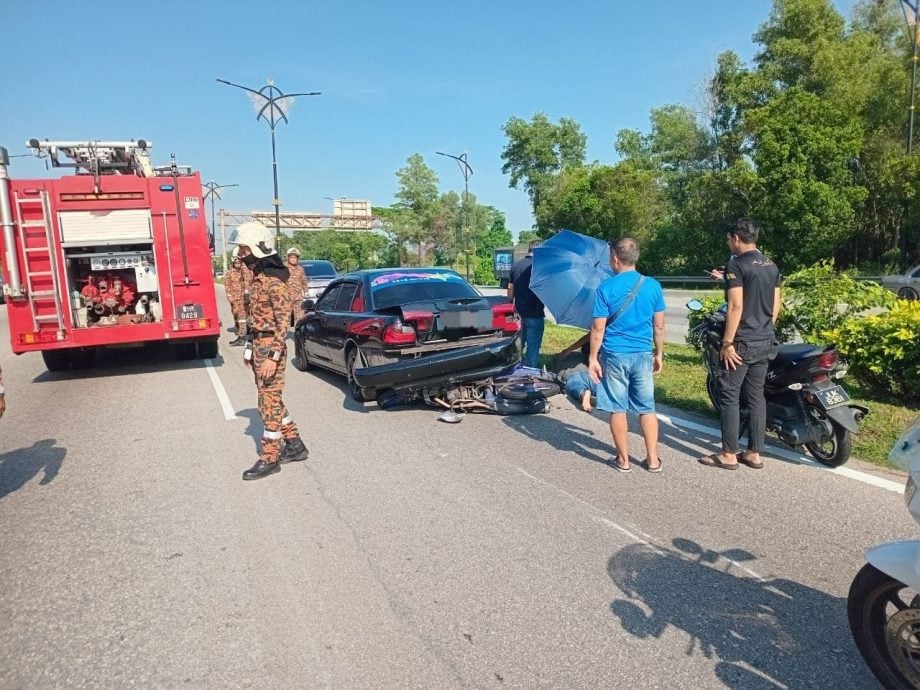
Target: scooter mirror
{"points": [[308, 305], [695, 305]]}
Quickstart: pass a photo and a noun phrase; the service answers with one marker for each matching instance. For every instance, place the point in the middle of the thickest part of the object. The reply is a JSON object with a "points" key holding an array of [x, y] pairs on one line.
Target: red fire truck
{"points": [[116, 254]]}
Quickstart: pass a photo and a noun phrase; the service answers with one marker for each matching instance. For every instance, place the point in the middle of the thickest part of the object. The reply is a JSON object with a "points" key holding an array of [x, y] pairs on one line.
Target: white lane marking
{"points": [[792, 456], [222, 396], [601, 516]]}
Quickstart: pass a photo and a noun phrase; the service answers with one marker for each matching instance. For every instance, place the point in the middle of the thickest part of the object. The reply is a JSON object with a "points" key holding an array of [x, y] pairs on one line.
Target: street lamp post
{"points": [[467, 172], [212, 192], [272, 105], [911, 11]]}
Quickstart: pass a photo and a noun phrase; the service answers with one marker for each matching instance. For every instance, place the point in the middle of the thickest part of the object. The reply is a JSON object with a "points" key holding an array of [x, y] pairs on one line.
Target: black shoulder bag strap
{"points": [[627, 302]]}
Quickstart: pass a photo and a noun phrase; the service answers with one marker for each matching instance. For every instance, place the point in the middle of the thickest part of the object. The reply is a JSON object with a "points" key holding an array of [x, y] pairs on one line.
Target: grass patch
{"points": [[682, 384]]}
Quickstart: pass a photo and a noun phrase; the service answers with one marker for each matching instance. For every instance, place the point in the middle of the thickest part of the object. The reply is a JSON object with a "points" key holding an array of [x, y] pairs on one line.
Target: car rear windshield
{"points": [[404, 287], [318, 269]]}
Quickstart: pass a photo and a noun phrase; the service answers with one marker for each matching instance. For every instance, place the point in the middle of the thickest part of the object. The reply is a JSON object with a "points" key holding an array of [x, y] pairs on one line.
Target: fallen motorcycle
{"points": [[484, 378], [805, 407], [883, 605]]}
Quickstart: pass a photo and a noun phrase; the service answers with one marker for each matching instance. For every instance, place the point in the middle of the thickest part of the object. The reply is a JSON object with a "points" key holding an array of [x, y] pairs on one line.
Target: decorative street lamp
{"points": [[911, 10], [212, 192], [272, 105], [467, 172]]}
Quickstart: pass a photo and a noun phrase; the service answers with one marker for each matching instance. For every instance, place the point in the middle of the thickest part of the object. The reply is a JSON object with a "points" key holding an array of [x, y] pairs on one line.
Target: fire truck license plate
{"points": [[833, 397], [191, 311]]}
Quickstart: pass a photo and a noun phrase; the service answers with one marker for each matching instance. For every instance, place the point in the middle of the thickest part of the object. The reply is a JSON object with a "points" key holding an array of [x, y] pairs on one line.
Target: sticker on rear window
{"points": [[402, 278]]}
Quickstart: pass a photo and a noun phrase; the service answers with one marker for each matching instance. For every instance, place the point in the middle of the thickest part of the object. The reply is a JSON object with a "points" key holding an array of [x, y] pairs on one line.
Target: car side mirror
{"points": [[695, 305], [308, 305]]}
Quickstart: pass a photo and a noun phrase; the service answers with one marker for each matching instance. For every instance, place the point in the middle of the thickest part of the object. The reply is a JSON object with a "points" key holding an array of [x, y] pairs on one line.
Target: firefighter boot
{"points": [[261, 469], [238, 341], [294, 450]]}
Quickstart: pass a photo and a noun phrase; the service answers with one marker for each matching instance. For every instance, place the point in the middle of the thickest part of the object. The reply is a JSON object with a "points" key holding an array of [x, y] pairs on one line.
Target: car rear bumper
{"points": [[467, 363]]}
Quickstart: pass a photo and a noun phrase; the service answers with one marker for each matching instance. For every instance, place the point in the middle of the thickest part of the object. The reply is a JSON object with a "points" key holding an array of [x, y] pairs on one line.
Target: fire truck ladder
{"points": [[38, 248]]}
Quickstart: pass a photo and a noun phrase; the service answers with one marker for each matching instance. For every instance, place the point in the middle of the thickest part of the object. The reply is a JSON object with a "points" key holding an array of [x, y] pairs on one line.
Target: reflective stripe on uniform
{"points": [[286, 420], [276, 356], [271, 435]]}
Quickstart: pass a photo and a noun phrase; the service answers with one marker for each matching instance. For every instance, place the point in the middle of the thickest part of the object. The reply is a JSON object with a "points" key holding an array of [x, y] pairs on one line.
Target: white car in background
{"points": [[319, 274], [905, 285]]}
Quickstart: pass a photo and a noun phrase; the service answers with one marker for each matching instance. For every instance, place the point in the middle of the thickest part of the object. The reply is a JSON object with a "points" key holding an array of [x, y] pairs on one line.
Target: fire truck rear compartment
{"points": [[112, 285]]}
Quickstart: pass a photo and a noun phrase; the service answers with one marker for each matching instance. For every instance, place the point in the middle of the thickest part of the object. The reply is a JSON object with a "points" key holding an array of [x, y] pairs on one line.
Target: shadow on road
{"points": [[18, 467], [150, 358], [563, 436], [765, 633]]}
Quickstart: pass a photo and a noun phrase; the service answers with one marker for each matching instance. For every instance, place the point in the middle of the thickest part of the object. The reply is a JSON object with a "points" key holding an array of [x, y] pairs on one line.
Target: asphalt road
{"points": [[499, 552]]}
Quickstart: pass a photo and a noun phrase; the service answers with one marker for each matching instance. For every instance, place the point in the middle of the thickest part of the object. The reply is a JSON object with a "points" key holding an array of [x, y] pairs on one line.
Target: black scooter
{"points": [[805, 407]]}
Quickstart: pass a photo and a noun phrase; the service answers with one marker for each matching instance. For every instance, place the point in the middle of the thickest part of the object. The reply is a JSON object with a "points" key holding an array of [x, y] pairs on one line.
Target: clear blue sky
{"points": [[397, 78]]}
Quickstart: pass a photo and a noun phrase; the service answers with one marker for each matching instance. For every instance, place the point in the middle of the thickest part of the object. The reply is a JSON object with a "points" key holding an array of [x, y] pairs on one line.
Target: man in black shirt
{"points": [[529, 306], [753, 295]]}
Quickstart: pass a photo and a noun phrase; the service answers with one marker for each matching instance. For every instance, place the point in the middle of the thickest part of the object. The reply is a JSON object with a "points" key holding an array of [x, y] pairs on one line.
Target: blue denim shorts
{"points": [[627, 383]]}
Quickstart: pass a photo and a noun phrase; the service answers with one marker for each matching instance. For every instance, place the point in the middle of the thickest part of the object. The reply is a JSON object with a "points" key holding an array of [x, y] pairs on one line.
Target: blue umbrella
{"points": [[567, 270]]}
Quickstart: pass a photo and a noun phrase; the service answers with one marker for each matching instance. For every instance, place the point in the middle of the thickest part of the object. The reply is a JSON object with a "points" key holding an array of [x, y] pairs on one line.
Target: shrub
{"points": [[695, 318], [883, 350], [819, 300]]}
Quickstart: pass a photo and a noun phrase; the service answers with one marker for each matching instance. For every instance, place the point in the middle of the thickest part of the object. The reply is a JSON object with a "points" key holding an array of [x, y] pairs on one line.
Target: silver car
{"points": [[905, 285], [319, 274]]}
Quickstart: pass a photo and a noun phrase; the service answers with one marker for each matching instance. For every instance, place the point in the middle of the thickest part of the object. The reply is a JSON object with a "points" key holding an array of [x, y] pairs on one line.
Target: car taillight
{"points": [[423, 320], [399, 334], [505, 319], [828, 359]]}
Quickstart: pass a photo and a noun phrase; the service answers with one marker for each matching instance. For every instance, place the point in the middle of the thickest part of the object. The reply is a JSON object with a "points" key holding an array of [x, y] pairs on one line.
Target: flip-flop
{"points": [[653, 470], [619, 468], [753, 465], [715, 461]]}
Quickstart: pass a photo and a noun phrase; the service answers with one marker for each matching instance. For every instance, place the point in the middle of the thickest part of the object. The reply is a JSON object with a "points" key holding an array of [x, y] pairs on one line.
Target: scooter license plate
{"points": [[833, 397]]}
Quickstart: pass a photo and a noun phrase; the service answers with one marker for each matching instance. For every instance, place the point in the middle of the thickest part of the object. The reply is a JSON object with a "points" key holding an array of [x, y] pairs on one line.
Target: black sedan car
{"points": [[383, 316]]}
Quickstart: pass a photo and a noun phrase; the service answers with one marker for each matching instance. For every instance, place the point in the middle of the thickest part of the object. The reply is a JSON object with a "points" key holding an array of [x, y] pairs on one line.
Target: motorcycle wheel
{"points": [[530, 390], [711, 391], [836, 449], [886, 627]]}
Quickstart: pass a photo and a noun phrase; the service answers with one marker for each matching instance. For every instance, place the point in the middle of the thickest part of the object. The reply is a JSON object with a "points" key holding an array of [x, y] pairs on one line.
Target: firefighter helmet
{"points": [[255, 236], [235, 254], [293, 250]]}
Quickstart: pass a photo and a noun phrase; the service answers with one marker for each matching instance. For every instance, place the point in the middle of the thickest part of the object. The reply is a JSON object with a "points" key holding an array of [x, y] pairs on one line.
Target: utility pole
{"points": [[212, 192], [272, 105], [467, 172]]}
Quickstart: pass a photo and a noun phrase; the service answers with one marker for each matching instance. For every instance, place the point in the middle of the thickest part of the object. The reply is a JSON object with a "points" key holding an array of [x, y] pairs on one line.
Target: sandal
{"points": [[753, 465], [653, 470], [619, 468], [716, 461]]}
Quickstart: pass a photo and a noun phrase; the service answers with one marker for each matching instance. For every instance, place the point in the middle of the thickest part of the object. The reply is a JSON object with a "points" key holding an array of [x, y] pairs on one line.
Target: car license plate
{"points": [[480, 319], [190, 311], [833, 397]]}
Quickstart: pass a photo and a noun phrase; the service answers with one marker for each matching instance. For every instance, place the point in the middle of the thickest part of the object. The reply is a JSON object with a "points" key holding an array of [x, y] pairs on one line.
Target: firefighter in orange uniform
{"points": [[266, 353], [236, 283], [297, 283]]}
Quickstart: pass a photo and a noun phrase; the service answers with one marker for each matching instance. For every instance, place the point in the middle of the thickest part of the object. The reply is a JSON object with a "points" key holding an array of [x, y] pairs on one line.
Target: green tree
{"points": [[535, 151]]}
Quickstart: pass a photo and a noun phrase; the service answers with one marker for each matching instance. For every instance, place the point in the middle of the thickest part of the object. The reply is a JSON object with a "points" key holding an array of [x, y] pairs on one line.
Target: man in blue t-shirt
{"points": [[627, 346]]}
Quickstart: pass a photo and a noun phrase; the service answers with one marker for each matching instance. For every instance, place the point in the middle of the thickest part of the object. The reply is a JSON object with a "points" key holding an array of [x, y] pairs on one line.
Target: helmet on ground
{"points": [[255, 236], [293, 250]]}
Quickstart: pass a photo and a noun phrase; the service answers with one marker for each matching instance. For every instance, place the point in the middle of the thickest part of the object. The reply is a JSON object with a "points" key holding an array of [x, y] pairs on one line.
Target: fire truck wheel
{"points": [[56, 360], [207, 349], [83, 357], [186, 351]]}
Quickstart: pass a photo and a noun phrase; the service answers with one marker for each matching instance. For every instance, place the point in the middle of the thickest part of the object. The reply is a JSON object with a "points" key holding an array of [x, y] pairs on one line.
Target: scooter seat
{"points": [[792, 354]]}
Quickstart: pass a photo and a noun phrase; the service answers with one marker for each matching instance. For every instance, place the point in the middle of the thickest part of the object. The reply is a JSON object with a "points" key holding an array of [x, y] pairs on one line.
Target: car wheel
{"points": [[908, 293], [353, 387], [300, 360]]}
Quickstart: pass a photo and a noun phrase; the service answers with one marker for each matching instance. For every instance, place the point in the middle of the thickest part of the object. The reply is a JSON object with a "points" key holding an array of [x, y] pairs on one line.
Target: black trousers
{"points": [[745, 382]]}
